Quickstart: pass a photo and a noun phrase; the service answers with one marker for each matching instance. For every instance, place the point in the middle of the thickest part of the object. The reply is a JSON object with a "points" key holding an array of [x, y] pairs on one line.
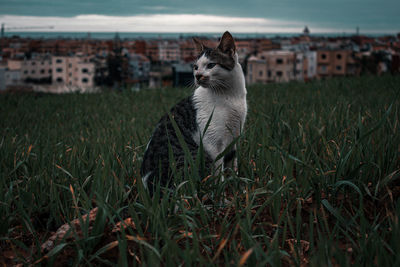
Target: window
{"points": [[84, 70], [323, 56], [260, 73], [33, 71], [338, 67], [279, 73], [70, 74], [59, 60], [279, 61], [59, 80], [85, 80], [33, 63], [323, 69], [70, 65], [269, 74], [42, 71], [338, 56], [50, 70], [59, 69], [25, 72]]}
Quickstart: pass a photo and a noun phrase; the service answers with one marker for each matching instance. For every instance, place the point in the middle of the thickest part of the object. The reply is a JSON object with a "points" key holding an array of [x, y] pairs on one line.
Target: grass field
{"points": [[318, 182]]}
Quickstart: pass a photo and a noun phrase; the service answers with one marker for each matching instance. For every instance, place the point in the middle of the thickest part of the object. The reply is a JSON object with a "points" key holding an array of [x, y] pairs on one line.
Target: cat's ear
{"points": [[198, 44], [227, 44]]}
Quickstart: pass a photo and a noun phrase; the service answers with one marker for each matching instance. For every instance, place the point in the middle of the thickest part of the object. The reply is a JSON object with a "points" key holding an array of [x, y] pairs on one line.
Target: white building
{"points": [[299, 65], [12, 77], [169, 51], [73, 71], [305, 66], [36, 69], [311, 69]]}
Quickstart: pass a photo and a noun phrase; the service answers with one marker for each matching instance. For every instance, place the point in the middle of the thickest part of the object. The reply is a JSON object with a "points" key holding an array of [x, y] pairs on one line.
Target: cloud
{"points": [[156, 8], [162, 23]]}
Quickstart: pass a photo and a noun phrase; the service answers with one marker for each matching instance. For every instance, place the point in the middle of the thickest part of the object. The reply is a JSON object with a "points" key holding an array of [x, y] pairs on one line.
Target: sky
{"points": [[241, 16]]}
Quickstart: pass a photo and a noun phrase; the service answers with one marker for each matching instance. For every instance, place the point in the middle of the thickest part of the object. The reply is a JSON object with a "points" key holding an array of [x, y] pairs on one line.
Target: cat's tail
{"points": [[145, 179]]}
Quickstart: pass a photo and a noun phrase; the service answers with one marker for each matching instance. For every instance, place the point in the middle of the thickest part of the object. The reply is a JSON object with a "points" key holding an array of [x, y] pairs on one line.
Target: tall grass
{"points": [[318, 181]]}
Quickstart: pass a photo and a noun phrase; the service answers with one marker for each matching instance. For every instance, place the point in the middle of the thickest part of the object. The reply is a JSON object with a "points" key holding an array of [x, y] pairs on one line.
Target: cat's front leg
{"points": [[230, 160]]}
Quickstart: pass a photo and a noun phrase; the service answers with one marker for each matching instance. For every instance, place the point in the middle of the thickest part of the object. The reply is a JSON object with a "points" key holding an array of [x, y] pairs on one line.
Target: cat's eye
{"points": [[211, 65], [196, 67]]}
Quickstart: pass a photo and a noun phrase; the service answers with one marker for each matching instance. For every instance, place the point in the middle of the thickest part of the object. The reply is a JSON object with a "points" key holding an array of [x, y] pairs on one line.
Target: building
{"points": [[309, 65], [73, 71], [271, 66], [262, 45], [244, 47], [12, 77], [14, 64], [152, 51], [160, 76], [36, 70], [331, 63], [300, 64], [256, 68], [188, 51], [139, 68], [169, 51]]}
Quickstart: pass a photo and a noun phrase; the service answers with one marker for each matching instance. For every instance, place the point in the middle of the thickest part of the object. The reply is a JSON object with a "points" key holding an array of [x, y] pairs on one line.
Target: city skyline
{"points": [[254, 16]]}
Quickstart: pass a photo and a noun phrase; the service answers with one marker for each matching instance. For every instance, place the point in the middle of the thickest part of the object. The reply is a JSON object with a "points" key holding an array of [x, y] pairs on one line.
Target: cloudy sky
{"points": [[251, 16]]}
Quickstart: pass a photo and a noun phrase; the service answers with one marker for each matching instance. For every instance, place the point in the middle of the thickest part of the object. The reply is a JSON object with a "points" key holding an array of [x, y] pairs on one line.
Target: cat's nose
{"points": [[199, 76]]}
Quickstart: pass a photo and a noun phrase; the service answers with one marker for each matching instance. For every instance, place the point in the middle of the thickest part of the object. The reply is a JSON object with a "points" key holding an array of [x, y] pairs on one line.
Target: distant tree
{"points": [[117, 66]]}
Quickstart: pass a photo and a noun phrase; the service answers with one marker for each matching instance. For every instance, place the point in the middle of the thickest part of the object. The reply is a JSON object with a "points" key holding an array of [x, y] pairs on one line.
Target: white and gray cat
{"points": [[221, 96]]}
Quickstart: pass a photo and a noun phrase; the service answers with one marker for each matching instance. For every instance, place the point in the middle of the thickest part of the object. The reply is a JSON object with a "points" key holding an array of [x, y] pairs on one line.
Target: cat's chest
{"points": [[219, 120], [215, 114]]}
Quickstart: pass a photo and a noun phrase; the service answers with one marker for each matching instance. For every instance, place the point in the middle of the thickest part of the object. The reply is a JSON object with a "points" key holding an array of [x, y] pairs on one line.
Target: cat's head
{"points": [[214, 66]]}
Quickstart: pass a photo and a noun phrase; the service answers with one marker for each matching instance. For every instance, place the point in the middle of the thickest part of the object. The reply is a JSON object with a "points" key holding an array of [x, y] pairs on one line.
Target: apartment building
{"points": [[36, 69], [309, 65], [188, 51], [73, 71], [244, 47], [152, 51], [271, 66], [9, 77], [262, 45], [256, 68], [169, 51], [12, 77], [300, 64], [332, 62], [14, 64], [139, 67]]}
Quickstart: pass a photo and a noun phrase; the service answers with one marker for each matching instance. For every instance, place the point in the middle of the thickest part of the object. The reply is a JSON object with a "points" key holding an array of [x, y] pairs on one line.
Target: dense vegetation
{"points": [[318, 182]]}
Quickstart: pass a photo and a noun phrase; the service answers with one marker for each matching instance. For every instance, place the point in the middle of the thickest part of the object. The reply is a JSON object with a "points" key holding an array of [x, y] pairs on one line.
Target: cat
{"points": [[219, 99]]}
